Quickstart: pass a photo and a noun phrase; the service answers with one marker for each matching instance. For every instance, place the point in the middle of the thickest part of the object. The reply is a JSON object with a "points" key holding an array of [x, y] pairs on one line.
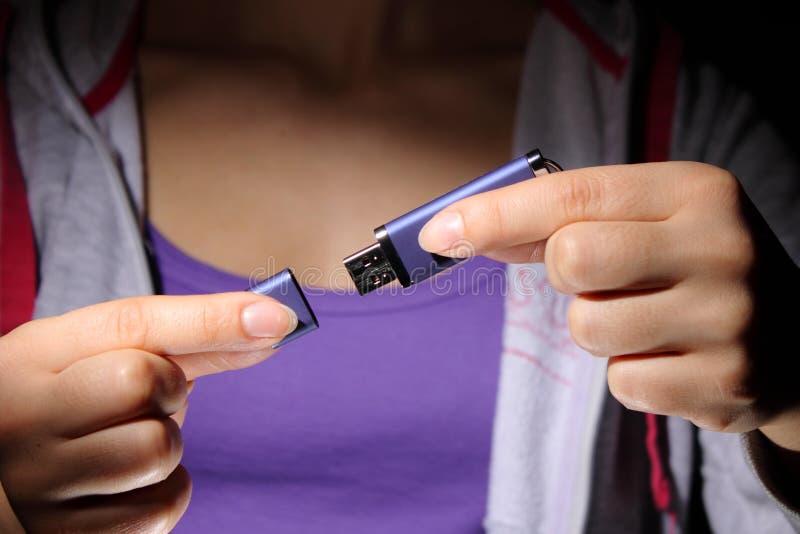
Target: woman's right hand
{"points": [[91, 404]]}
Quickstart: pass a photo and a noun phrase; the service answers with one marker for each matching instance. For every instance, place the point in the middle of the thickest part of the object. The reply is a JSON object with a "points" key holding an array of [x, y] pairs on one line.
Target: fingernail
{"points": [[442, 232], [268, 318]]}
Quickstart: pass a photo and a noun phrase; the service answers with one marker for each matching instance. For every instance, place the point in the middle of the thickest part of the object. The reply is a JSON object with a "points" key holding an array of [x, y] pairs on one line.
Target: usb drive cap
{"points": [[284, 288]]}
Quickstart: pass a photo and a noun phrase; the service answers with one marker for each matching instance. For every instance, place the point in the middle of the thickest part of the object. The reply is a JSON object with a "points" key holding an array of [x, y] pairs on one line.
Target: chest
{"points": [[249, 163]]}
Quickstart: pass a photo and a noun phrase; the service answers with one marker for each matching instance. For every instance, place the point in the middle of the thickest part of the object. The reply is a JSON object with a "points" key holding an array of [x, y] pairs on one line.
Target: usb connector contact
{"points": [[370, 269], [398, 256]]}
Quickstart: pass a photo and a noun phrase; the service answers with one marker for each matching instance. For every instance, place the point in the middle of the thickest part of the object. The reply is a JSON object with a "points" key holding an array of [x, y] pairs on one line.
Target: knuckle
{"points": [[632, 387], [713, 182], [743, 244], [734, 383], [152, 521], [128, 322], [175, 500], [163, 448], [743, 312], [158, 522], [211, 322], [732, 318], [577, 194], [732, 250], [159, 517], [571, 260], [734, 253], [623, 384], [725, 420], [138, 380], [726, 182], [583, 326], [497, 212], [15, 345]]}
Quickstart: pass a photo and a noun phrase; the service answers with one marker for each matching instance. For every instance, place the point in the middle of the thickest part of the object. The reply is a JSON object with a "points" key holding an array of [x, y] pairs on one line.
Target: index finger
{"points": [[165, 325], [533, 210]]}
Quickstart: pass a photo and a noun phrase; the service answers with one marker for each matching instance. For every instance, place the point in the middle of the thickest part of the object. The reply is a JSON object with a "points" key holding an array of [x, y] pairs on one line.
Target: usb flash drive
{"points": [[398, 256], [284, 288]]}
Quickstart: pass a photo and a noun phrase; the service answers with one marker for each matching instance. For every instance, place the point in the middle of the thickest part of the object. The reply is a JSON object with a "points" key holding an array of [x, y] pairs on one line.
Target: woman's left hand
{"points": [[678, 280]]}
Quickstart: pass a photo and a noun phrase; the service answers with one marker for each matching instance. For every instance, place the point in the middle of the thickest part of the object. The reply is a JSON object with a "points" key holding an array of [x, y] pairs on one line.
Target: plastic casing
{"points": [[284, 288], [403, 231]]}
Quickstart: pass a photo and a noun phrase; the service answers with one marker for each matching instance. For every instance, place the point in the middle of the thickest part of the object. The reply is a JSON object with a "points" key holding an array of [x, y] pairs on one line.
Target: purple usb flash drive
{"points": [[284, 288], [396, 255]]}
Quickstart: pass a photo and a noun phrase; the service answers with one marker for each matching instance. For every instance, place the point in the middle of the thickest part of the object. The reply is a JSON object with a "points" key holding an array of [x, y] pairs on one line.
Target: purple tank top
{"points": [[378, 422]]}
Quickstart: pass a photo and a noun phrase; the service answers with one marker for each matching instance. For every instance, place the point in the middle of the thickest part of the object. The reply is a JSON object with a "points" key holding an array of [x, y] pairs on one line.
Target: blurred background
{"points": [[756, 43]]}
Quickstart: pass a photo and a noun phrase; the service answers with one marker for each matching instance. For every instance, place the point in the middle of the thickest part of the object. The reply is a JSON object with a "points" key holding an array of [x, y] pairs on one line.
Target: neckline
{"points": [[166, 249], [473, 277]]}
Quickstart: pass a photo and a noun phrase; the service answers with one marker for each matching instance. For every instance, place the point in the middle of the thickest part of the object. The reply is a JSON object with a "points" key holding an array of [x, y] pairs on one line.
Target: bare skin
{"points": [[256, 152]]}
